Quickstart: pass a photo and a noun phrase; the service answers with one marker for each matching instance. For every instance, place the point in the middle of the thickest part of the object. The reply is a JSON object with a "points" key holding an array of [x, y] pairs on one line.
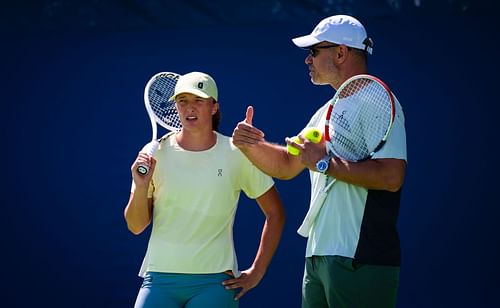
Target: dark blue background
{"points": [[73, 120]]}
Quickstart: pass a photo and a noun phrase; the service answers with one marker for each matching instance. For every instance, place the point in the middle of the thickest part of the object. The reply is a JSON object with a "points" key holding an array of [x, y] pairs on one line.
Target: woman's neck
{"points": [[196, 141]]}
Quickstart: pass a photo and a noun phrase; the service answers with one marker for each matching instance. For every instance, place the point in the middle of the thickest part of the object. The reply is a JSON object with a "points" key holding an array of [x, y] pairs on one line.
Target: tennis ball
{"points": [[313, 134], [291, 149]]}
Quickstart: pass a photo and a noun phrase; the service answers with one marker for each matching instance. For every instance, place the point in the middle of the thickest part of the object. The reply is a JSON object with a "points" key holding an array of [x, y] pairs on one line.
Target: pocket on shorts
{"points": [[347, 263], [356, 265]]}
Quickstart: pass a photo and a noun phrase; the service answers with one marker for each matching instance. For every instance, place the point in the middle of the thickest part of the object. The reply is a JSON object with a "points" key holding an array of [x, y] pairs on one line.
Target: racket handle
{"points": [[149, 149]]}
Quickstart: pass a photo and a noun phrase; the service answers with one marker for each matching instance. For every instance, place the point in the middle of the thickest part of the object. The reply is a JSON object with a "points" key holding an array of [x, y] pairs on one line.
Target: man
{"points": [[353, 252]]}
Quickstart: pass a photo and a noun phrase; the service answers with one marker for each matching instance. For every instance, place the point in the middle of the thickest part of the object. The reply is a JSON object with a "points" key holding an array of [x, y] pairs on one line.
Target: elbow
{"points": [[131, 226], [393, 187], [136, 230], [286, 173], [135, 227], [136, 223], [395, 176], [394, 182], [276, 219]]}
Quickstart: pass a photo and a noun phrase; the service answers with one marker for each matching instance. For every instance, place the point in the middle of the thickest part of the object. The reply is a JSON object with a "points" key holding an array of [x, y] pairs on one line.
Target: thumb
{"points": [[249, 115]]}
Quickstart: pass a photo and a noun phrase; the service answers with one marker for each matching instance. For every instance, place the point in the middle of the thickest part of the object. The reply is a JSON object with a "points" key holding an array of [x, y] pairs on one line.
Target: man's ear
{"points": [[342, 52]]}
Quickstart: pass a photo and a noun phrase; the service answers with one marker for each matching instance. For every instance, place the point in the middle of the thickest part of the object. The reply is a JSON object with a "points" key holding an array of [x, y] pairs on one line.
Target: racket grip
{"points": [[149, 149]]}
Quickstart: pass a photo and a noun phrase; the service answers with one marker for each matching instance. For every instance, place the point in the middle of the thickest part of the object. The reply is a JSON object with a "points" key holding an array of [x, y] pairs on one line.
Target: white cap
{"points": [[199, 84], [338, 29]]}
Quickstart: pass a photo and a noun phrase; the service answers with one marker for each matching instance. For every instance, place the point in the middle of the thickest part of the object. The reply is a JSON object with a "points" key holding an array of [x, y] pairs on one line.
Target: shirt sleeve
{"points": [[254, 182], [395, 146], [318, 119]]}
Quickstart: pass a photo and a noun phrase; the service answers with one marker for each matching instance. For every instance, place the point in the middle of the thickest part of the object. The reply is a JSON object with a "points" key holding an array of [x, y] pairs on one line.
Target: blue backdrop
{"points": [[73, 121]]}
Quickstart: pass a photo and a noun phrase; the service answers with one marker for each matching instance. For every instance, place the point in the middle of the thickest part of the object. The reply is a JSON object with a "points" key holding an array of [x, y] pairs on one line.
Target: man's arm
{"points": [[272, 159], [380, 174]]}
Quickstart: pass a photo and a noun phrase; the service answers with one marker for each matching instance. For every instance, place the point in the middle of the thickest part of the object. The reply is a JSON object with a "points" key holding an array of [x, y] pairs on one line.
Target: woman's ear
{"points": [[215, 107]]}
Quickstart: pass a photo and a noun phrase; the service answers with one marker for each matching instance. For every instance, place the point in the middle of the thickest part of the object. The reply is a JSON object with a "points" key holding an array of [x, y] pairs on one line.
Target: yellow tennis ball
{"points": [[291, 149], [313, 134]]}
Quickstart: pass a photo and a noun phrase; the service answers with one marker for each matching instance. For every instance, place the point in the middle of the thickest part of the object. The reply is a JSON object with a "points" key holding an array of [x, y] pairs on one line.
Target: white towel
{"points": [[313, 211]]}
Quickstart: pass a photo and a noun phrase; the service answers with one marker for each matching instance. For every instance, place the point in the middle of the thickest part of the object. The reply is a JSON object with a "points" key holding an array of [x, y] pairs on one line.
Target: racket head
{"points": [[359, 118], [157, 93]]}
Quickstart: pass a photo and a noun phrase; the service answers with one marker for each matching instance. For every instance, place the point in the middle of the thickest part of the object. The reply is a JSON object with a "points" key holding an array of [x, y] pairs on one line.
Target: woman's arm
{"points": [[271, 206], [139, 210]]}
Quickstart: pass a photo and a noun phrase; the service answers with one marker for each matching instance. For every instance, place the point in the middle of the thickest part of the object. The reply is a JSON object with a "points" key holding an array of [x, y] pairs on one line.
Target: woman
{"points": [[191, 198]]}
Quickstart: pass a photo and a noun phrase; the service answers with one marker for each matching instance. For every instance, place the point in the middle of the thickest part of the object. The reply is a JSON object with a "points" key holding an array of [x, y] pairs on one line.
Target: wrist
{"points": [[323, 164], [259, 270]]}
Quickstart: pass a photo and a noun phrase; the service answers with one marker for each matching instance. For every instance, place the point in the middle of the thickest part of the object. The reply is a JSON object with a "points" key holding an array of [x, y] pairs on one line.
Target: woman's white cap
{"points": [[197, 83]]}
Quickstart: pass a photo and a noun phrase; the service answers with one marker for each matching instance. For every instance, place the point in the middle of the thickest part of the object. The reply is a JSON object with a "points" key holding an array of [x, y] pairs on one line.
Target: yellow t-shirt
{"points": [[195, 196]]}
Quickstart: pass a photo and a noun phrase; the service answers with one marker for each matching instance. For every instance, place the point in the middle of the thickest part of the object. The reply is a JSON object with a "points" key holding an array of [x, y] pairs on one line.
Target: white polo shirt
{"points": [[356, 222]]}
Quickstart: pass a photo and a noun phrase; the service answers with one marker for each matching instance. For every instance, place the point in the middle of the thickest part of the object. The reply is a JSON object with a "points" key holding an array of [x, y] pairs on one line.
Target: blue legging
{"points": [[168, 290]]}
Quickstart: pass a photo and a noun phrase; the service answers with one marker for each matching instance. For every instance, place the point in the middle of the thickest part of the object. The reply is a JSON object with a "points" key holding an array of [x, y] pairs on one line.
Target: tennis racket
{"points": [[161, 110], [358, 122], [359, 118]]}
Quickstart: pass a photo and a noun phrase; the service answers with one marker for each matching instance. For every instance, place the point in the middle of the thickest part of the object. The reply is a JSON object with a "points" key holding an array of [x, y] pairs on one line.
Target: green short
{"points": [[340, 282]]}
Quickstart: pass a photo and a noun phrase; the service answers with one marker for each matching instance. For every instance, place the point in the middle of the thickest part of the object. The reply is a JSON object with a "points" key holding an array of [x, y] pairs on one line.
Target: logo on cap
{"points": [[200, 85]]}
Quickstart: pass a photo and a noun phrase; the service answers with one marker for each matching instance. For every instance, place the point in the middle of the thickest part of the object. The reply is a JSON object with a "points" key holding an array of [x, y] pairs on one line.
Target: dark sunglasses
{"points": [[313, 50]]}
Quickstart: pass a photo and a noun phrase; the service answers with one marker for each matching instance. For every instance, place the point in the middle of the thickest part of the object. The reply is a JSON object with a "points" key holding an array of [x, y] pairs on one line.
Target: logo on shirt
{"points": [[219, 172]]}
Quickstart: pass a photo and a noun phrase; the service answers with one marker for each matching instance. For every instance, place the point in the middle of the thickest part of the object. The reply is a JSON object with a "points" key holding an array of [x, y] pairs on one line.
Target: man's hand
{"points": [[310, 152], [245, 134]]}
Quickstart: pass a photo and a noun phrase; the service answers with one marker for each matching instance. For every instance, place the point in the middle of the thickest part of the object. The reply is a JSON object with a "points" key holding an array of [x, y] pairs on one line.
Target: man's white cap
{"points": [[199, 84], [338, 29]]}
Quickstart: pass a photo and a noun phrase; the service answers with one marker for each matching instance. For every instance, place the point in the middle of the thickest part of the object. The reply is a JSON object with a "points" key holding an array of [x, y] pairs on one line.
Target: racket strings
{"points": [[361, 118], [163, 108]]}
